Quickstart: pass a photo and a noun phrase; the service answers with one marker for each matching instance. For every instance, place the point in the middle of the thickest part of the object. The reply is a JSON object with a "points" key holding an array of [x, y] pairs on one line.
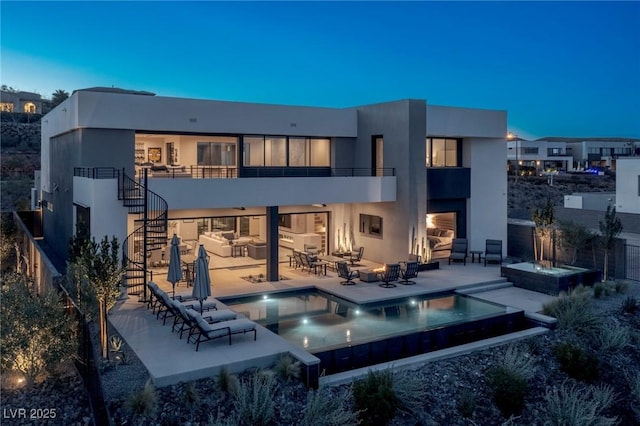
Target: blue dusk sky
{"points": [[558, 68]]}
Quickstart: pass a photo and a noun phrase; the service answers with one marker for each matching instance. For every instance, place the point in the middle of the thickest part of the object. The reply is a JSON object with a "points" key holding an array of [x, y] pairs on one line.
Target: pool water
{"points": [[318, 321]]}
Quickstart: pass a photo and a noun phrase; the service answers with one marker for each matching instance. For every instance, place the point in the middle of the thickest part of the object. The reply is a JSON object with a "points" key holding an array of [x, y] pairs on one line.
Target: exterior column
{"points": [[273, 274]]}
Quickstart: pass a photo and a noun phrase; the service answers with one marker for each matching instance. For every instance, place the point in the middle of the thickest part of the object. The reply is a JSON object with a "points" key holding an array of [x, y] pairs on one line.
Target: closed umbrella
{"points": [[202, 282], [175, 265]]}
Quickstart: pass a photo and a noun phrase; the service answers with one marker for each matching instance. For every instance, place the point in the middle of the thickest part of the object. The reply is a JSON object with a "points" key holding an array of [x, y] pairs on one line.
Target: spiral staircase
{"points": [[150, 233]]}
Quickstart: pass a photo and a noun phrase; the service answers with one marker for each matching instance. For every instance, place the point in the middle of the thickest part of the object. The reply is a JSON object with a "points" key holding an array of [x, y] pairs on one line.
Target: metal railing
{"points": [[632, 262], [153, 210], [96, 172], [209, 172]]}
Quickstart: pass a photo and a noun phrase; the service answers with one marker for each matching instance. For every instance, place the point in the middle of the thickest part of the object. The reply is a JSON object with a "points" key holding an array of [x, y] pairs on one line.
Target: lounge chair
{"points": [[391, 273], [347, 274], [208, 331], [356, 257], [408, 270], [459, 250], [211, 317], [493, 252]]}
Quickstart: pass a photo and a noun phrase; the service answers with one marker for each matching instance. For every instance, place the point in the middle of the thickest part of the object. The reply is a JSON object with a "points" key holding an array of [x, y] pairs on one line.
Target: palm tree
{"points": [[610, 228], [58, 96]]}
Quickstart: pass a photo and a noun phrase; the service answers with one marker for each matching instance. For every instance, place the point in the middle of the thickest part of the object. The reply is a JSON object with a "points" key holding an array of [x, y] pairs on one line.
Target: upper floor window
{"points": [[443, 152], [216, 154], [530, 150], [283, 151], [6, 106], [554, 151]]}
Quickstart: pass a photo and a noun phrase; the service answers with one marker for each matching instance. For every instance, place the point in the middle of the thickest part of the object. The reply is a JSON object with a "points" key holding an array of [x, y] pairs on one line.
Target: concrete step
{"points": [[486, 286]]}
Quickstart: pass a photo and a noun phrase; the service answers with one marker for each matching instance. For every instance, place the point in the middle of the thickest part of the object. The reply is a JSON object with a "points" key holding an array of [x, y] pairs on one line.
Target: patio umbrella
{"points": [[175, 266], [202, 282]]}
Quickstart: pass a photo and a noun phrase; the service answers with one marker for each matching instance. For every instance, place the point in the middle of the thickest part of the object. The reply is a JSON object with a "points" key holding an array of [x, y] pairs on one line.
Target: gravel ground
{"points": [[444, 382]]}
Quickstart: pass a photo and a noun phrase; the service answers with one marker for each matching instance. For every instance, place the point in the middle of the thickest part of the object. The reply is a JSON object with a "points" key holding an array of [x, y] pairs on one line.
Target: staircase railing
{"points": [[151, 234]]}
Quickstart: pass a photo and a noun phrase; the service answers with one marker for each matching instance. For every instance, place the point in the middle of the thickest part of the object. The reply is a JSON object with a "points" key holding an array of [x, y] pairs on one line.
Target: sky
{"points": [[569, 69]]}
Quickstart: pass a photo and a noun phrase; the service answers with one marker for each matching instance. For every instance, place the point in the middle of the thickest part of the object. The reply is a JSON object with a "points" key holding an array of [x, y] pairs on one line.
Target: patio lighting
{"points": [[305, 321], [357, 311], [305, 342], [413, 302]]}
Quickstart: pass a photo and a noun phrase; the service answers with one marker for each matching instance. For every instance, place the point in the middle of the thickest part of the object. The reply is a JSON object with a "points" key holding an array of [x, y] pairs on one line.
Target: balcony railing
{"points": [[96, 172], [209, 172]]}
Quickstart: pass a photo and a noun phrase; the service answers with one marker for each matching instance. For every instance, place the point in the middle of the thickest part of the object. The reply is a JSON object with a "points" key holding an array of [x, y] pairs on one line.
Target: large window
{"points": [[275, 151], [282, 151], [442, 152], [216, 154], [371, 225]]}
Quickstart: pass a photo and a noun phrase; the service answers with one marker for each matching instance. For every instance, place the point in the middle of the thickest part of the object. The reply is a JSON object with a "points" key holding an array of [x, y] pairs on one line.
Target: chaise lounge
{"points": [[206, 331]]}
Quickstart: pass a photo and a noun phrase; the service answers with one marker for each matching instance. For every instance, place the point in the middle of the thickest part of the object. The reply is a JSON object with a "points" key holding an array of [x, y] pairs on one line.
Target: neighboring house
{"points": [[532, 158], [628, 186], [372, 176], [599, 153], [28, 102]]}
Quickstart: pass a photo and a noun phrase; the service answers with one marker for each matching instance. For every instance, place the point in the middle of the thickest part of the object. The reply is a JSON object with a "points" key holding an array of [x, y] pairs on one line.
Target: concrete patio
{"points": [[170, 360]]}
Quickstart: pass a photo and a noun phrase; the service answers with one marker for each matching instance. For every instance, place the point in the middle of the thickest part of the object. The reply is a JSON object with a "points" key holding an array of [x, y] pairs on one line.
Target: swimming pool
{"points": [[345, 335]]}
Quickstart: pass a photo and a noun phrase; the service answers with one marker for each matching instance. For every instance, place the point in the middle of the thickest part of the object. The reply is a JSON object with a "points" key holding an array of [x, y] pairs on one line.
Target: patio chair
{"points": [[297, 259], [345, 273], [391, 273], [211, 318], [408, 270], [493, 252], [356, 257], [188, 273], [459, 250], [153, 301], [208, 331], [413, 257]]}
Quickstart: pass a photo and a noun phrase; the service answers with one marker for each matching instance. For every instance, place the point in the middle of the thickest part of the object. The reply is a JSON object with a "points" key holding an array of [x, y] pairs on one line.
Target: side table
{"points": [[474, 253]]}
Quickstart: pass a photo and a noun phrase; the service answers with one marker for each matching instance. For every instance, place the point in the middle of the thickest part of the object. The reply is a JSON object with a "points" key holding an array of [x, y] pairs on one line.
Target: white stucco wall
{"points": [[487, 206], [108, 216], [256, 192], [628, 185], [466, 122]]}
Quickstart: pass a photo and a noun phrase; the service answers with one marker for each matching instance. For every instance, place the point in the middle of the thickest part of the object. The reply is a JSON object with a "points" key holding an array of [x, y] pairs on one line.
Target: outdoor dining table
{"points": [[332, 260]]}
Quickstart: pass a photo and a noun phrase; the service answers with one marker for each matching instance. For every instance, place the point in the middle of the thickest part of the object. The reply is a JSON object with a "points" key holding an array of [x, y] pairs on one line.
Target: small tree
{"points": [[104, 273], [543, 218], [575, 237], [36, 333], [610, 228]]}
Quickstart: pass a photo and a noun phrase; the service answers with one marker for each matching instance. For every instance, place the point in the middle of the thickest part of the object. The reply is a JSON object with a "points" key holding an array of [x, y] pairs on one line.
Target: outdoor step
{"points": [[486, 286]]}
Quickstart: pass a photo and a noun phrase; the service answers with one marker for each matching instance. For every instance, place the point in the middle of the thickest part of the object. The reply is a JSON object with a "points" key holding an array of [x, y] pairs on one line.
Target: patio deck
{"points": [[170, 360]]}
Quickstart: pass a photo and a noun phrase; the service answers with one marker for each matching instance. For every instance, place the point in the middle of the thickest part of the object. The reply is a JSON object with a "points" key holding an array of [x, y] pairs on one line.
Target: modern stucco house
{"points": [[282, 176]]}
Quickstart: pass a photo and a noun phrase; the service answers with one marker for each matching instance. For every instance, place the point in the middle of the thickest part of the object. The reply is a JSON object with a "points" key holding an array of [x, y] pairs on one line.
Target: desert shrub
{"points": [[467, 403], [634, 392], [190, 394], [630, 305], [36, 333], [374, 398], [509, 381], [598, 290], [612, 339], [622, 286], [324, 409], [508, 390], [519, 361], [287, 368], [226, 381], [573, 311], [409, 393], [578, 406], [143, 402], [254, 400], [577, 362]]}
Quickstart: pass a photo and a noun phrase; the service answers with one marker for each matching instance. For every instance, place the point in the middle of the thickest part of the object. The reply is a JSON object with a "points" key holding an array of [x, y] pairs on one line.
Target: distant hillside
{"points": [[20, 144]]}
